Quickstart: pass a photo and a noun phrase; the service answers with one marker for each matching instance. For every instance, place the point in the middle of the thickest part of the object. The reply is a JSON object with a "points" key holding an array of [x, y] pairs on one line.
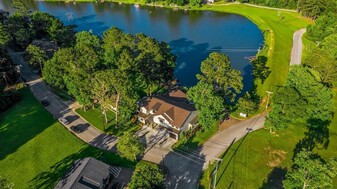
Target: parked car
{"points": [[45, 102], [75, 129], [63, 120]]}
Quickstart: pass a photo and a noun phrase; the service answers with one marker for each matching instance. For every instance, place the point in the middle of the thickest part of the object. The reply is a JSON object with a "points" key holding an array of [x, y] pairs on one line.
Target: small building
{"points": [[171, 111], [89, 173], [48, 47]]}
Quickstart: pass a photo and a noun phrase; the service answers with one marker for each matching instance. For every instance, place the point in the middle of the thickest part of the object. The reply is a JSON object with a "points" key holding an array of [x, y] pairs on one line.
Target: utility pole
{"points": [[269, 93], [216, 170]]}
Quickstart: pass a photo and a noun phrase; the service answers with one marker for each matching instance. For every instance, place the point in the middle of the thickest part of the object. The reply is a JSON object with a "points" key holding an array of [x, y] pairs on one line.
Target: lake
{"points": [[192, 35]]}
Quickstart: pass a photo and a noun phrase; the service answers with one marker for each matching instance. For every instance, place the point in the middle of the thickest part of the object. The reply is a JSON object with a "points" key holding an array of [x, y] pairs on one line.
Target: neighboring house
{"points": [[48, 47], [171, 111], [89, 173]]}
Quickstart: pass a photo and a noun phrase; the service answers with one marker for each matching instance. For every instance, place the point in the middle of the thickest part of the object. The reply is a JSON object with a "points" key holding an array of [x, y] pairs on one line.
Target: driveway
{"points": [[59, 108]]}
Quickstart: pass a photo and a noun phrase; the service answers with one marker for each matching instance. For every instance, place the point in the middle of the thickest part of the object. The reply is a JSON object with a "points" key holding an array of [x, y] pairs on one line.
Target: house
{"points": [[171, 111], [89, 173], [48, 47]]}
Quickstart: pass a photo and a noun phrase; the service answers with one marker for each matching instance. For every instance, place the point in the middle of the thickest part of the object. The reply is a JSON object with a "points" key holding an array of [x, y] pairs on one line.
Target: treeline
{"points": [[17, 32], [308, 8], [8, 70], [112, 71]]}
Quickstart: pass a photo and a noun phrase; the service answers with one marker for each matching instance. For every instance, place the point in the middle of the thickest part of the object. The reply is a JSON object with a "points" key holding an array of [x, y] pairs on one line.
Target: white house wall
{"points": [[157, 118]]}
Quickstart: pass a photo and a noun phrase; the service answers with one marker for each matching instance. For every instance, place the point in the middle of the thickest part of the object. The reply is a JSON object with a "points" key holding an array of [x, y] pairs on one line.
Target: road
{"points": [[59, 108], [296, 51]]}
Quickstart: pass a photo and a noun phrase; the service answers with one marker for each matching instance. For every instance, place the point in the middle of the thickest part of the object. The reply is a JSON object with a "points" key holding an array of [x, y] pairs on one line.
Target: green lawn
{"points": [[35, 150], [262, 159], [196, 139], [278, 32], [96, 118]]}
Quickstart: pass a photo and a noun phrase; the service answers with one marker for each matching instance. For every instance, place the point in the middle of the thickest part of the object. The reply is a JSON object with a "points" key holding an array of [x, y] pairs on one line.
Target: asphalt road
{"points": [[296, 51]]}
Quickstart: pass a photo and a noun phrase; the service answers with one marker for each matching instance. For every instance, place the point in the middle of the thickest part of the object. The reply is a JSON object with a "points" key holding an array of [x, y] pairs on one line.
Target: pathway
{"points": [[296, 51]]}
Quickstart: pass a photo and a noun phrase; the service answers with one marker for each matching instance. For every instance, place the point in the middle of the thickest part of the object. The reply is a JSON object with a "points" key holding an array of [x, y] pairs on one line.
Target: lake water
{"points": [[191, 35]]}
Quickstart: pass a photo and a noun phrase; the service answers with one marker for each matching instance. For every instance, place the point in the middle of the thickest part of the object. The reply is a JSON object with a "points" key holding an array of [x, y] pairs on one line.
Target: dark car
{"points": [[75, 129], [44, 102]]}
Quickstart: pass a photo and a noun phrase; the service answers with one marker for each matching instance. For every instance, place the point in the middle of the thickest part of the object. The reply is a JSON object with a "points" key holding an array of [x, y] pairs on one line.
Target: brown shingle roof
{"points": [[174, 112]]}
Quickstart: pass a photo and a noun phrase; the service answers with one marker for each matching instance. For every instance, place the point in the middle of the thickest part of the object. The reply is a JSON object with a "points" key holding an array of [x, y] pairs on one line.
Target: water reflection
{"points": [[192, 35]]}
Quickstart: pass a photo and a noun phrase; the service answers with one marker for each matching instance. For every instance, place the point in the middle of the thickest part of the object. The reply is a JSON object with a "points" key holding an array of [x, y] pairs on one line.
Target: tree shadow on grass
{"points": [[21, 123], [49, 178], [260, 69], [317, 136], [275, 178]]}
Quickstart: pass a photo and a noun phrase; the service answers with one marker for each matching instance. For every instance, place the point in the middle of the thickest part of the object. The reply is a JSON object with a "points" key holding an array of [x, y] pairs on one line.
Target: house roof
{"points": [[173, 107], [87, 173]]}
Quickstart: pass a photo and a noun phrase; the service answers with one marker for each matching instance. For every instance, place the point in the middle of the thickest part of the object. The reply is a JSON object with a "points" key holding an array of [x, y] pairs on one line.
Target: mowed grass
{"points": [[278, 28], [96, 118], [261, 160], [35, 150]]}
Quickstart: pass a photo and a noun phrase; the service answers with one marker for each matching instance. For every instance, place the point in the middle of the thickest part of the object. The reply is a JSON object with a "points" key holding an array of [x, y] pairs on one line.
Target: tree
{"points": [[309, 171], [5, 37], [329, 45], [303, 97], [247, 104], [155, 61], [41, 22], [324, 26], [217, 71], [37, 56], [85, 38], [210, 105], [54, 69], [129, 146], [323, 61], [4, 184], [20, 7], [313, 8], [101, 90], [62, 35], [19, 27], [147, 175]]}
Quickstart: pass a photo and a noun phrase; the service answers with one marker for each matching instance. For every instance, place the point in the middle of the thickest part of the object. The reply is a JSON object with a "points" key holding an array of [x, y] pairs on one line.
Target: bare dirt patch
{"points": [[276, 157]]}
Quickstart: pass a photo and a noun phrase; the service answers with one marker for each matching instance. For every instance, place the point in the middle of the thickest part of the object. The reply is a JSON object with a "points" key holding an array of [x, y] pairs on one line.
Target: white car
{"points": [[63, 120]]}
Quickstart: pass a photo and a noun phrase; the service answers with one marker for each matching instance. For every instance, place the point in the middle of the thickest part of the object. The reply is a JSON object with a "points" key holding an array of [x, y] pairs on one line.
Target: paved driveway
{"points": [[59, 108]]}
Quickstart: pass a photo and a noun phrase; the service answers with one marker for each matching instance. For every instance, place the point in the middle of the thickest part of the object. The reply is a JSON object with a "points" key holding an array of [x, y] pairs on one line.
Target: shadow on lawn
{"points": [[317, 136], [22, 127], [49, 178], [275, 178]]}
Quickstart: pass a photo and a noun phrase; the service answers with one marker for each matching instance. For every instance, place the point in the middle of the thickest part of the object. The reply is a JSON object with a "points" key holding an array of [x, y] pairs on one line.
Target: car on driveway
{"points": [[44, 102], [63, 120], [75, 129]]}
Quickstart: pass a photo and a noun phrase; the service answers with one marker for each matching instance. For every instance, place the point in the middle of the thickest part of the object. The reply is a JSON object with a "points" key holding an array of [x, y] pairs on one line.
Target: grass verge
{"points": [[35, 150]]}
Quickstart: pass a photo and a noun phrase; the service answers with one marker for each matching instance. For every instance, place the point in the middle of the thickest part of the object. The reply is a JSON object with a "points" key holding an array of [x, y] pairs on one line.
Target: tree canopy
{"points": [[311, 172], [147, 175], [303, 97], [217, 71], [129, 146], [210, 105]]}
